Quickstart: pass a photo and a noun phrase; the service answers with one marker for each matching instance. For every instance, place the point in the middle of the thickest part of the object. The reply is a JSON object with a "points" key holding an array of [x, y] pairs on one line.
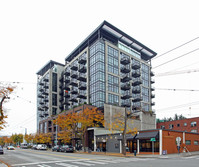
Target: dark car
{"points": [[1, 150], [67, 148], [56, 148]]}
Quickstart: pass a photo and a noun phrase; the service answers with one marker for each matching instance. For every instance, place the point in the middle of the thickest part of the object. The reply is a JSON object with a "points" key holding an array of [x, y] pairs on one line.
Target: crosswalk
{"points": [[82, 163]]}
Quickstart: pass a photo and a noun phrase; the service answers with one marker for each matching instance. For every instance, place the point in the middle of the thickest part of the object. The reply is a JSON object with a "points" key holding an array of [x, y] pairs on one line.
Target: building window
{"points": [[162, 127], [193, 124], [113, 60], [185, 124], [54, 82], [194, 130], [188, 142], [54, 99], [113, 99], [196, 142], [113, 83], [178, 125], [170, 126], [54, 111]]}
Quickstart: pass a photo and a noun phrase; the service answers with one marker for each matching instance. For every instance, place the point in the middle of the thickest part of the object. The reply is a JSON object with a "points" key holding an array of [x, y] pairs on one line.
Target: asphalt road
{"points": [[35, 158]]}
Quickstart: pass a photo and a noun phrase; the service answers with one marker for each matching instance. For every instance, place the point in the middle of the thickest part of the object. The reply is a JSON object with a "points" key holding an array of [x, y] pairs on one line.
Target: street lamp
{"points": [[24, 141]]}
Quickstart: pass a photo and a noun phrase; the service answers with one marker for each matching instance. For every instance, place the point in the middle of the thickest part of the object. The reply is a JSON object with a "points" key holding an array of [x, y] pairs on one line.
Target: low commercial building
{"points": [[157, 141], [188, 125]]}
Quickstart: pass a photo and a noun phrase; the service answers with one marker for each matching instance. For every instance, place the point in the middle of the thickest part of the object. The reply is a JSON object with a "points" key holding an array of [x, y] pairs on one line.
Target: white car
{"points": [[41, 147]]}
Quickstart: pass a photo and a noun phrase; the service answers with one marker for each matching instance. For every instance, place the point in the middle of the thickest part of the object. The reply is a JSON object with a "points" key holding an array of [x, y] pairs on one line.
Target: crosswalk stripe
{"points": [[83, 163], [108, 161], [43, 165], [67, 165], [96, 162]]}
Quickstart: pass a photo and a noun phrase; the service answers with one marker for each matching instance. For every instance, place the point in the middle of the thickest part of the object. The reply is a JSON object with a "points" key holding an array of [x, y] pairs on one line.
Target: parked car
{"points": [[34, 147], [24, 146], [67, 148], [1, 150], [56, 148], [41, 147], [10, 148]]}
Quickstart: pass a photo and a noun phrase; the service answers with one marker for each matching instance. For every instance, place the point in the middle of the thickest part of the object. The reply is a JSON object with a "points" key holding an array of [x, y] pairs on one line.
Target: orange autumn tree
{"points": [[68, 124], [28, 138], [89, 118], [43, 138], [5, 91]]}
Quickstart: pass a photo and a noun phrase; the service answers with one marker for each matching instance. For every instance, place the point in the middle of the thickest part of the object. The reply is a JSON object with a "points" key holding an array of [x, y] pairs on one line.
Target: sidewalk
{"points": [[142, 155]]}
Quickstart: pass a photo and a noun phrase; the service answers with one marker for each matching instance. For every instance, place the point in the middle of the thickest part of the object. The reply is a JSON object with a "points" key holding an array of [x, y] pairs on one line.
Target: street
{"points": [[35, 158]]}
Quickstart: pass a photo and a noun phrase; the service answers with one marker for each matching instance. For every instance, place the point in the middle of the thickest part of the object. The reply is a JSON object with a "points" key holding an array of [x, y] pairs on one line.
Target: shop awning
{"points": [[148, 135], [128, 137]]}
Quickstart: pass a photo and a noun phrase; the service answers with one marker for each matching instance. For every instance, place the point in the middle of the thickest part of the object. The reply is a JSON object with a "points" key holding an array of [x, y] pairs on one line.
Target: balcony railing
{"points": [[125, 86], [125, 77], [125, 60], [82, 60], [74, 74], [74, 66], [125, 69], [67, 72], [136, 73], [82, 68], [136, 81], [137, 97], [82, 86], [135, 65], [82, 77], [73, 82]]}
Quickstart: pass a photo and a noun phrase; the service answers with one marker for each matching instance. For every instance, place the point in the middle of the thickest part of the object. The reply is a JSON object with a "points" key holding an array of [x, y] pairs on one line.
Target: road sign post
{"points": [[153, 140]]}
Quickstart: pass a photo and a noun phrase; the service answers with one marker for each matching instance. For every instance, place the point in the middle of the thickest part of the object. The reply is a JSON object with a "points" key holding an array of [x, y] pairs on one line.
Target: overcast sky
{"points": [[32, 32]]}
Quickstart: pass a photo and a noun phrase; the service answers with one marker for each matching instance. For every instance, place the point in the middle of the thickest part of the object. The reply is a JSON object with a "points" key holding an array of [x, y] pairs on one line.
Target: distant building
{"points": [[187, 125]]}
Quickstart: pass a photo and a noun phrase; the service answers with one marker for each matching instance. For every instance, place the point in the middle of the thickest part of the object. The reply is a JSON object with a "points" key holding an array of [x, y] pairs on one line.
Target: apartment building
{"points": [[108, 67]]}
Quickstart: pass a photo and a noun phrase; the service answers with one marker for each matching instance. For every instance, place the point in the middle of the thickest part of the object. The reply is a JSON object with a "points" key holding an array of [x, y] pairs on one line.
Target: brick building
{"points": [[187, 125]]}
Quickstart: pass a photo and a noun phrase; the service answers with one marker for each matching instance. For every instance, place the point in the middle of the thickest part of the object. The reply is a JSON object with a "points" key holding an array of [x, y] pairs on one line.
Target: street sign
{"points": [[152, 139], [178, 140]]}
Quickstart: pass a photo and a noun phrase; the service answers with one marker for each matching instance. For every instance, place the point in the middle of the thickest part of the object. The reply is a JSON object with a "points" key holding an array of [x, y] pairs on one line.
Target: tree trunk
{"points": [[124, 134]]}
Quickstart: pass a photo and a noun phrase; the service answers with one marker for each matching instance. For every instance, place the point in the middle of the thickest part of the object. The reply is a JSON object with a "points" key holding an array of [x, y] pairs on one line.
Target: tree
{"points": [[28, 138], [5, 91], [89, 118], [17, 138], [42, 138]]}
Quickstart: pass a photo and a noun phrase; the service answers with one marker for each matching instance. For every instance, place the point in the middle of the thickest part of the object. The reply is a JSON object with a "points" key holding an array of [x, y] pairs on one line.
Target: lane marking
{"points": [[82, 163], [67, 165], [96, 162]]}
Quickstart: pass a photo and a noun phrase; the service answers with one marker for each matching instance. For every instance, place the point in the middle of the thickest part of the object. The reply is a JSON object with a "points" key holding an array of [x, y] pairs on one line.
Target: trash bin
{"points": [[135, 152]]}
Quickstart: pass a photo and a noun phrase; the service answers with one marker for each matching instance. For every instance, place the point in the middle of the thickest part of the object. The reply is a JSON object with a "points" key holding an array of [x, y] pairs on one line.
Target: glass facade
{"points": [[113, 60], [97, 74], [54, 82], [113, 83]]}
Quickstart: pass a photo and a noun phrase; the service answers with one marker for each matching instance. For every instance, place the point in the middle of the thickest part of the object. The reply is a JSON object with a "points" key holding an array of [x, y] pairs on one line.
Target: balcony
{"points": [[152, 81], [45, 114], [135, 65], [125, 77], [153, 103], [46, 86], [41, 89], [82, 94], [41, 115], [74, 74], [152, 88], [41, 102], [66, 87], [136, 73], [60, 85], [67, 80], [152, 95], [73, 82], [40, 109], [137, 98], [126, 95], [45, 93], [82, 77], [45, 106], [136, 81], [125, 69], [40, 95], [82, 60], [82, 68], [61, 107], [41, 83], [73, 98], [125, 60], [125, 86], [82, 86], [46, 100], [74, 90], [67, 72], [61, 93], [136, 90], [74, 66], [152, 74], [66, 102], [46, 79], [126, 103], [66, 95]]}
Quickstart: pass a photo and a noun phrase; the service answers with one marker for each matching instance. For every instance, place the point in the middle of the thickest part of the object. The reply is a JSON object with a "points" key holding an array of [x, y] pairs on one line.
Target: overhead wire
{"points": [[175, 48]]}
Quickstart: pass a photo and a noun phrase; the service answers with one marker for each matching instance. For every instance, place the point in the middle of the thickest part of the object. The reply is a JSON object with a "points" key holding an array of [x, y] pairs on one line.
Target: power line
{"points": [[177, 72], [175, 48], [191, 90], [176, 58], [179, 106]]}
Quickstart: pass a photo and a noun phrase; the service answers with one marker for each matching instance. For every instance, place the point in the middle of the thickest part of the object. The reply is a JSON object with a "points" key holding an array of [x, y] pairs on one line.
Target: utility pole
{"points": [[124, 133]]}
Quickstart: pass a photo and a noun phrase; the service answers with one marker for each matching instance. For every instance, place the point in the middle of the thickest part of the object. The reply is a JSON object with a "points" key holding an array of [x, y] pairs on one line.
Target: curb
{"points": [[4, 163]]}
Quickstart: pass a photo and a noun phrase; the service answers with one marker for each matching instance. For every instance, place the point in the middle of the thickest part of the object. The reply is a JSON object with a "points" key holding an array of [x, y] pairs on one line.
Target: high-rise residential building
{"points": [[108, 67]]}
